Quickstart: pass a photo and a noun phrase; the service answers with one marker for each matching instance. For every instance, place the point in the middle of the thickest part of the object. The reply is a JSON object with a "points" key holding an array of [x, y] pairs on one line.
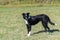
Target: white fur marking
{"points": [[55, 24], [28, 34], [26, 22]]}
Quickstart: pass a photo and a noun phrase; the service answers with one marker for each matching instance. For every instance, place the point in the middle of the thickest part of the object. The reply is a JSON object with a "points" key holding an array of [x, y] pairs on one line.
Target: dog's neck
{"points": [[29, 17]]}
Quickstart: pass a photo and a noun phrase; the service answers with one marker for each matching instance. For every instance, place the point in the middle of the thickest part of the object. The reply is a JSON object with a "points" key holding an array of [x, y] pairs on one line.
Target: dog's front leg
{"points": [[28, 29]]}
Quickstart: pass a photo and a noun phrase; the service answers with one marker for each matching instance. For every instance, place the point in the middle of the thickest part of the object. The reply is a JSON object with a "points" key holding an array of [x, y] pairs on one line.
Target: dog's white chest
{"points": [[26, 21]]}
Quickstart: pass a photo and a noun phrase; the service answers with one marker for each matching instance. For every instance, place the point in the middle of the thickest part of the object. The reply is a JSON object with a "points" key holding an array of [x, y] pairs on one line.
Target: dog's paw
{"points": [[55, 24], [28, 34]]}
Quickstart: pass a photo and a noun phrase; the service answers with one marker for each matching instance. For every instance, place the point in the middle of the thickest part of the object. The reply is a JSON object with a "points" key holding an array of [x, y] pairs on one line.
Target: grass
{"points": [[12, 25]]}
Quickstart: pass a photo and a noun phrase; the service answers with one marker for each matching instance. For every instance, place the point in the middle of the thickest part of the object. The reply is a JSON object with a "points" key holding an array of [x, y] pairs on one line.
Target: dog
{"points": [[32, 20]]}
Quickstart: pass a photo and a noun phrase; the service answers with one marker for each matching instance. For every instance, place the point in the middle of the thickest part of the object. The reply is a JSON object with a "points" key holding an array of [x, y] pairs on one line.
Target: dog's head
{"points": [[25, 15]]}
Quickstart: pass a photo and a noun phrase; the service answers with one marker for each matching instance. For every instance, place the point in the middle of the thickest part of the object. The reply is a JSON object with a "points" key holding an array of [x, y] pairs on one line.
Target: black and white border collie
{"points": [[32, 20]]}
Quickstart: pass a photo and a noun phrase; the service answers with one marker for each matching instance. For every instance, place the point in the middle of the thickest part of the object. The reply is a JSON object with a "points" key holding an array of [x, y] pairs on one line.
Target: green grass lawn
{"points": [[12, 25]]}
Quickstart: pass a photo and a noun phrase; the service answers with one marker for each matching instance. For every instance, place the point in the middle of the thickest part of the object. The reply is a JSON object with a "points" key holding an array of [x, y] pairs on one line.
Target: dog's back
{"points": [[42, 17]]}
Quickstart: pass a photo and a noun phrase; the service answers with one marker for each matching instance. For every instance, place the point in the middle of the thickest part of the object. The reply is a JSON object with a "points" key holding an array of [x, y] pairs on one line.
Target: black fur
{"points": [[32, 20]]}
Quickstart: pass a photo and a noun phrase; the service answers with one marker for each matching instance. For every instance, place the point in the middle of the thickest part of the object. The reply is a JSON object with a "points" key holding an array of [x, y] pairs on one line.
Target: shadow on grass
{"points": [[51, 31]]}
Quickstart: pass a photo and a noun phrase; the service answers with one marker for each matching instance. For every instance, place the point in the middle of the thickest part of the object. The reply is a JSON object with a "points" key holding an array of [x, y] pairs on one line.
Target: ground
{"points": [[12, 25]]}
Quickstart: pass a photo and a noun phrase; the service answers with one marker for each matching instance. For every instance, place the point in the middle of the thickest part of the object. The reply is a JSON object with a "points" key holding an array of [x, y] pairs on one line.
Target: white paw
{"points": [[28, 34], [55, 24]]}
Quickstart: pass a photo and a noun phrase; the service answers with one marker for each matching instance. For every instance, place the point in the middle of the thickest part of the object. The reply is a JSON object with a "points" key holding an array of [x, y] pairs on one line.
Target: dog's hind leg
{"points": [[45, 25]]}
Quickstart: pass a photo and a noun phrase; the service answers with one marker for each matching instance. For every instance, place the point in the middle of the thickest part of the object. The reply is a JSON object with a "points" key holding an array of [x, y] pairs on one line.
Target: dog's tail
{"points": [[51, 22]]}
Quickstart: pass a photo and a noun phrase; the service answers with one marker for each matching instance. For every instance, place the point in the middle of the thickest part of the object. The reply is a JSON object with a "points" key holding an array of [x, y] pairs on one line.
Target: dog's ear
{"points": [[23, 13], [28, 13]]}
